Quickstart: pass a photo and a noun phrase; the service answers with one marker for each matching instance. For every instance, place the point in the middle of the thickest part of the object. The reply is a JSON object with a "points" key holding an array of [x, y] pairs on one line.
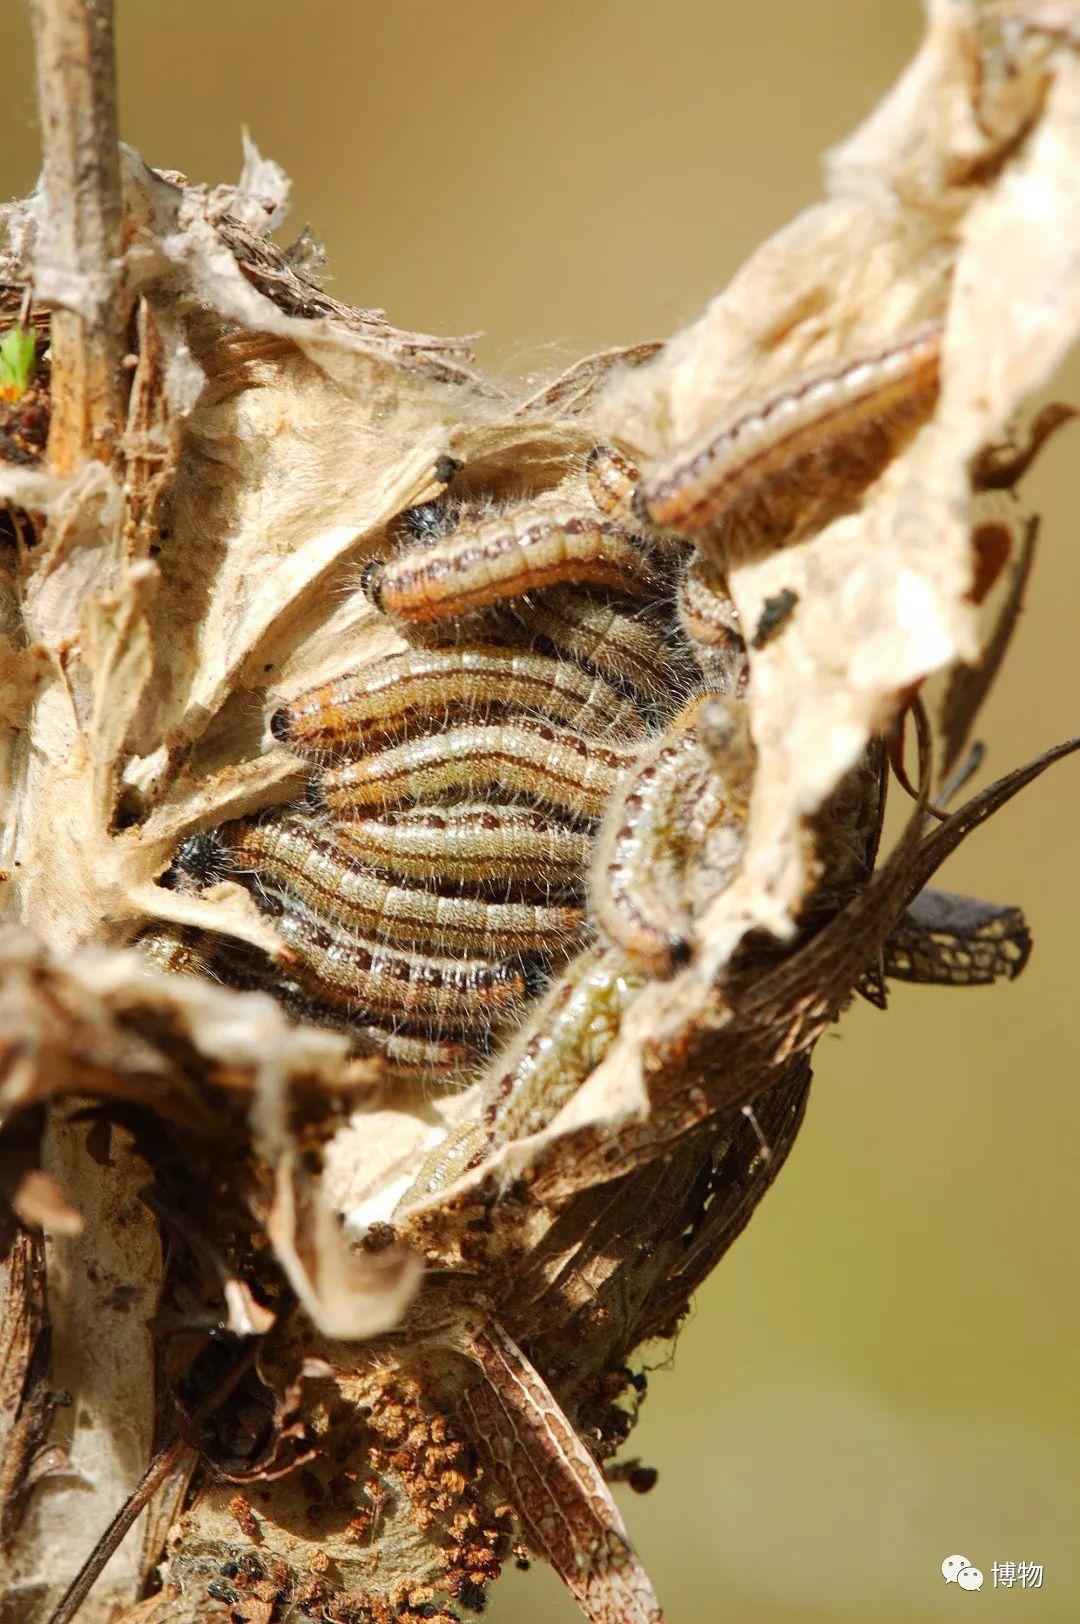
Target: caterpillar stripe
{"points": [[763, 443], [364, 979], [408, 1058], [484, 846], [417, 691], [570, 1031], [711, 622], [326, 878], [181, 950], [624, 648], [674, 835], [611, 479], [404, 1056], [537, 760], [185, 950], [491, 559], [569, 1034]]}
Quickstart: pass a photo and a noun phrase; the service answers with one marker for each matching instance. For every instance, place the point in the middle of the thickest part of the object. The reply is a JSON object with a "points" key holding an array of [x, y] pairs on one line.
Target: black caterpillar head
{"points": [[200, 860]]}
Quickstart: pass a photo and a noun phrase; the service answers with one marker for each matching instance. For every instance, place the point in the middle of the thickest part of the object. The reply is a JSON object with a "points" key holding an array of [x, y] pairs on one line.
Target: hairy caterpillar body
{"points": [[891, 385]]}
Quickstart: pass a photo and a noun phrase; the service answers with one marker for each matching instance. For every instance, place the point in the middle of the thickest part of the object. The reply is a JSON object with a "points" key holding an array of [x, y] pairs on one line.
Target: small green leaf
{"points": [[16, 362]]}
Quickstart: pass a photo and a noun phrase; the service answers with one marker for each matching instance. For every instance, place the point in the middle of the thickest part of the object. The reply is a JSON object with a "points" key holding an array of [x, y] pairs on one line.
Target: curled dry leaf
{"points": [[160, 605]]}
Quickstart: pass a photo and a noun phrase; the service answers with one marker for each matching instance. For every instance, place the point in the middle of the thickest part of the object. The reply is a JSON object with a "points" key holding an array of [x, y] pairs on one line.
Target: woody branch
{"points": [[78, 260]]}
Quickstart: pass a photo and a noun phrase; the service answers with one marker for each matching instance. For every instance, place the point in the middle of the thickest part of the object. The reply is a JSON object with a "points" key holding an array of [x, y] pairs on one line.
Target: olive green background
{"points": [[883, 1372]]}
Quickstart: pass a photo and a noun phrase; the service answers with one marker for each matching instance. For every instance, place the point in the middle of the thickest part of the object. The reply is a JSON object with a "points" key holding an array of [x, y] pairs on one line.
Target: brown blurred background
{"points": [[883, 1372]]}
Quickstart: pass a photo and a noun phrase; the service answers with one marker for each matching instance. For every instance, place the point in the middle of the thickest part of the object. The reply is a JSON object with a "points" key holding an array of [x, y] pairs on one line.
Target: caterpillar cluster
{"points": [[437, 877], [552, 776]]}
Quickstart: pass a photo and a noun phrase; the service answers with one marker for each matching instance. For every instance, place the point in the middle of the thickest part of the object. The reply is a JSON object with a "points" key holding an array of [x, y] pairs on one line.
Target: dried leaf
{"points": [[566, 1508], [969, 684], [348, 1293], [950, 940]]}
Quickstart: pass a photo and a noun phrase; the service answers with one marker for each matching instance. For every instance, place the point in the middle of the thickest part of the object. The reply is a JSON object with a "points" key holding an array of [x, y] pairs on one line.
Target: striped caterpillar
{"points": [[533, 759], [832, 430], [399, 695], [569, 781], [439, 874], [293, 857], [664, 820], [490, 559], [480, 847]]}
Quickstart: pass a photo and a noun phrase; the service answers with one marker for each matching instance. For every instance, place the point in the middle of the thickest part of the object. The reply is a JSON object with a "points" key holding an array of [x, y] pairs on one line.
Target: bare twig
{"points": [[24, 1410], [78, 261], [168, 1459], [162, 1464]]}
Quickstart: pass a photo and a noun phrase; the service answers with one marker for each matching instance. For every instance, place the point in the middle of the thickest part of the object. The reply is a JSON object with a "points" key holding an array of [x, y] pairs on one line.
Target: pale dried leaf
{"points": [[348, 1293], [559, 1492]]}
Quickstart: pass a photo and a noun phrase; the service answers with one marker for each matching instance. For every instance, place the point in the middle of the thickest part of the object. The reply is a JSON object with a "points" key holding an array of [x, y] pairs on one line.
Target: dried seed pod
{"points": [[310, 864], [419, 690], [482, 846], [894, 385], [533, 760], [506, 555]]}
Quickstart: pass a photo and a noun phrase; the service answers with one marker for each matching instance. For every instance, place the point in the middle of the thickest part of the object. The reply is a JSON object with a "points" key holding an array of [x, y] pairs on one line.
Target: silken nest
{"points": [[439, 822]]}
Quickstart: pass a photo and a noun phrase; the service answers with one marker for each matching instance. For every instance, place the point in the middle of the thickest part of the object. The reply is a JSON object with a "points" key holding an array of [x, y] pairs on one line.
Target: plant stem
{"points": [[78, 265]]}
